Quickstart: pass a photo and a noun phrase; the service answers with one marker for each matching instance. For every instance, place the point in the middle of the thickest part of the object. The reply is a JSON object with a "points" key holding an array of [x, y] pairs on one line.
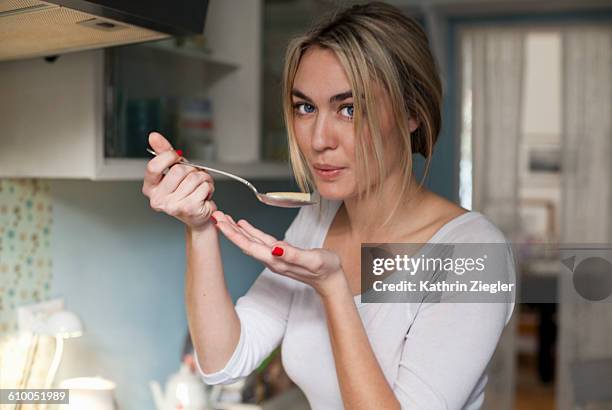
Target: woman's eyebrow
{"points": [[335, 98]]}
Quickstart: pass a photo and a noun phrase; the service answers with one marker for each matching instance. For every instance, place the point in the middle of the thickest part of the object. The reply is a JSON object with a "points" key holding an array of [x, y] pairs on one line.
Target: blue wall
{"points": [[120, 266]]}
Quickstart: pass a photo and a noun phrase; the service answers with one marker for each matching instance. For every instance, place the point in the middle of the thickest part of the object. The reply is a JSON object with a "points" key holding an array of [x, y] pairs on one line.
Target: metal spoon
{"points": [[270, 198]]}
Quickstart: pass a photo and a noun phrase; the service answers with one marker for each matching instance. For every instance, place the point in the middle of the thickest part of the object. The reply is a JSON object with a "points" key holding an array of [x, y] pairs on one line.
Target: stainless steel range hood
{"points": [[30, 28]]}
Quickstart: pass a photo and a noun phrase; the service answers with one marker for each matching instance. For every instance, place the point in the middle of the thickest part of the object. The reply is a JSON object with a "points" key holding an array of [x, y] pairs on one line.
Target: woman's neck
{"points": [[358, 214]]}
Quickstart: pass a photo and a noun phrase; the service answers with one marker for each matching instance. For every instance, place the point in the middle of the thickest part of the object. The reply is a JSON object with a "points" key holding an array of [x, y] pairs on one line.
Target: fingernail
{"points": [[277, 251], [213, 219], [179, 152]]}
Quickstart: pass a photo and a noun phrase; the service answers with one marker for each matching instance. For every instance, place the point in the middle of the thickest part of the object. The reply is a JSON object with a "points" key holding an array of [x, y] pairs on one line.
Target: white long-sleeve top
{"points": [[433, 355]]}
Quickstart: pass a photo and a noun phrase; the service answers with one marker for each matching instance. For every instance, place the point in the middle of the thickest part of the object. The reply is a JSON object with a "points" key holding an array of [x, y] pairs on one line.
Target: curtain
{"points": [[585, 329], [494, 57]]}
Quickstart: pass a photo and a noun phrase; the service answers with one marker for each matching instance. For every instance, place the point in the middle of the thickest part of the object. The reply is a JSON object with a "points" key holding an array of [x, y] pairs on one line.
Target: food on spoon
{"points": [[295, 196]]}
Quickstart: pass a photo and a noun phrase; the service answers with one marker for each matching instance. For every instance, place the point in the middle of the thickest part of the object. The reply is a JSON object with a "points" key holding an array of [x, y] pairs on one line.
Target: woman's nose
{"points": [[322, 135]]}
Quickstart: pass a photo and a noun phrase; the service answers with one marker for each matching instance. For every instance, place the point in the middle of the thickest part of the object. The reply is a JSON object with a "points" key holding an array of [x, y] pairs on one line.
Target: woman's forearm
{"points": [[213, 322], [362, 382]]}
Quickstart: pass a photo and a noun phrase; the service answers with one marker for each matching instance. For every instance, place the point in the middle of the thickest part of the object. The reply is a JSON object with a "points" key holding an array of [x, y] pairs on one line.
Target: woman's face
{"points": [[323, 123]]}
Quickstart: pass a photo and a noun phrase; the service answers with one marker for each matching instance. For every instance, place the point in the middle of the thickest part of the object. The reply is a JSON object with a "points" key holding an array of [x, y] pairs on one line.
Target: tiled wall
{"points": [[25, 246]]}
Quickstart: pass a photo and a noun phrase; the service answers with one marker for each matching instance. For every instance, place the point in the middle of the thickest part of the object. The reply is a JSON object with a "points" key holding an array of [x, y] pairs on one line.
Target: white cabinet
{"points": [[54, 116]]}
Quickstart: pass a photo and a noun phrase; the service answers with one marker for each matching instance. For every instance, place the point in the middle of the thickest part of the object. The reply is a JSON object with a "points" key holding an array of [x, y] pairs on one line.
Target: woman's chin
{"points": [[332, 192]]}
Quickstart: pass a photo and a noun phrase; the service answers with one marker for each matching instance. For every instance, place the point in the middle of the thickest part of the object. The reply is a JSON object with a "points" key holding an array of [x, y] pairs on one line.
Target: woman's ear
{"points": [[413, 124]]}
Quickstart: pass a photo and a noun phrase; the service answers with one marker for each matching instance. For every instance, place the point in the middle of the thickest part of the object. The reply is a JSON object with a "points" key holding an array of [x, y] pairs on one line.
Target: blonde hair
{"points": [[376, 44]]}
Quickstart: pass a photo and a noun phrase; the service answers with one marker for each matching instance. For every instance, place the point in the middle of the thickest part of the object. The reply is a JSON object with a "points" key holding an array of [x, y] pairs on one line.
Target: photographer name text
{"points": [[443, 286]]}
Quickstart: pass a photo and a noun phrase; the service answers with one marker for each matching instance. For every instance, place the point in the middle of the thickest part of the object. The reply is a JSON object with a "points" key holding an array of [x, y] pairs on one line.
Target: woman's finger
{"points": [[223, 217], [313, 260], [287, 268], [262, 236], [197, 200], [299, 275], [218, 215], [230, 220], [200, 194], [244, 232], [156, 166], [173, 178], [189, 184], [296, 254], [247, 245], [158, 142]]}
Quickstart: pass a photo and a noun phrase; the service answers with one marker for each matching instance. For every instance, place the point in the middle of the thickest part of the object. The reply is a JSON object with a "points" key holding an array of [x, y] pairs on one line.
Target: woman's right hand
{"points": [[184, 192]]}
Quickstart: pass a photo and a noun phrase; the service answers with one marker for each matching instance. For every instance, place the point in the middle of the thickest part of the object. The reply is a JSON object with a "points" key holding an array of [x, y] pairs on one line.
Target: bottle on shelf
{"points": [[196, 128]]}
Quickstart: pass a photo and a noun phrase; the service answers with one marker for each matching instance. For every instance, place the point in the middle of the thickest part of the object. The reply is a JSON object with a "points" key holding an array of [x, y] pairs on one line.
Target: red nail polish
{"points": [[179, 152], [213, 219], [277, 251]]}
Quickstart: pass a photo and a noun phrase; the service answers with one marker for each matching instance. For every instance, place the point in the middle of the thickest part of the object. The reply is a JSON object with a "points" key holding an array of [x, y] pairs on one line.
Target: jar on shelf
{"points": [[196, 128], [146, 115]]}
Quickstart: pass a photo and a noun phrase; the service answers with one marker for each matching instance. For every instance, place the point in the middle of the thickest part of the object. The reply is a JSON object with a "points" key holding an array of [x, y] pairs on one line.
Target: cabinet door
{"points": [[51, 116]]}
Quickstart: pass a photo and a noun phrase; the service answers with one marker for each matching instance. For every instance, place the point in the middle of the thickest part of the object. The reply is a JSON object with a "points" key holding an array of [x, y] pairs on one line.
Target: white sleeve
{"points": [[263, 313], [447, 350]]}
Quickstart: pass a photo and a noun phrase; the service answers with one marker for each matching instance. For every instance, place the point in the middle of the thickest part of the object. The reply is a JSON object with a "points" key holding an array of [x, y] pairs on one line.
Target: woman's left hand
{"points": [[319, 268]]}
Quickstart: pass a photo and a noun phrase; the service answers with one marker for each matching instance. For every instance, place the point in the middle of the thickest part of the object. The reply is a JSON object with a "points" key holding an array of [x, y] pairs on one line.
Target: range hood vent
{"points": [[30, 28]]}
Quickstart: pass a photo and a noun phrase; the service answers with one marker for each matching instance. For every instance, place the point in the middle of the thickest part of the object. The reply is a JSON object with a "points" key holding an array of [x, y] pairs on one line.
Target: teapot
{"points": [[184, 391]]}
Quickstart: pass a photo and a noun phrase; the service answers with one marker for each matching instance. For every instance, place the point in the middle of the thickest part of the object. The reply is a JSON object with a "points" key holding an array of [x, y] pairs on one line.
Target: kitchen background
{"points": [[74, 224]]}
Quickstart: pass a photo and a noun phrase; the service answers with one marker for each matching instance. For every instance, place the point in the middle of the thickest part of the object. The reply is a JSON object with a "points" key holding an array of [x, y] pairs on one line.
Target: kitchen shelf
{"points": [[152, 70], [133, 169]]}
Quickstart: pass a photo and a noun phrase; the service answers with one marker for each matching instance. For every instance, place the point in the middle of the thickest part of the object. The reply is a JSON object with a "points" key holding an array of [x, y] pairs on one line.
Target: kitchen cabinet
{"points": [[63, 119]]}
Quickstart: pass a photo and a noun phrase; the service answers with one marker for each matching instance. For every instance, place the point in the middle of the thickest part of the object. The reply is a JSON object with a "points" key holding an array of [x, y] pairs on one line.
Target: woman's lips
{"points": [[328, 173]]}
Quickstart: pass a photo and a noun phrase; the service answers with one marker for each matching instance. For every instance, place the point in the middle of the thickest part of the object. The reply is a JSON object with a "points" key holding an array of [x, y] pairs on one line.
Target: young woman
{"points": [[361, 95]]}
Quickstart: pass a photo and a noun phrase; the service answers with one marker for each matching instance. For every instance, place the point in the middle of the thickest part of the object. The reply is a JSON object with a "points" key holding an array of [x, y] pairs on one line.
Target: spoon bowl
{"points": [[275, 199]]}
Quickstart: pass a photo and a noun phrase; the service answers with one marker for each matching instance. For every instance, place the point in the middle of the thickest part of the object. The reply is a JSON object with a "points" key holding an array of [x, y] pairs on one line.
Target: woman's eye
{"points": [[347, 111], [304, 108]]}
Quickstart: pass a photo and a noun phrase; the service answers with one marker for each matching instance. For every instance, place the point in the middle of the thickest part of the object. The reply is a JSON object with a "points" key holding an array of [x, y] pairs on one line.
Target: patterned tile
{"points": [[25, 252]]}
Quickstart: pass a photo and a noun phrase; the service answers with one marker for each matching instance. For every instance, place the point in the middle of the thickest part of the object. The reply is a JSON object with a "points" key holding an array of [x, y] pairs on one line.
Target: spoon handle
{"points": [[227, 174]]}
